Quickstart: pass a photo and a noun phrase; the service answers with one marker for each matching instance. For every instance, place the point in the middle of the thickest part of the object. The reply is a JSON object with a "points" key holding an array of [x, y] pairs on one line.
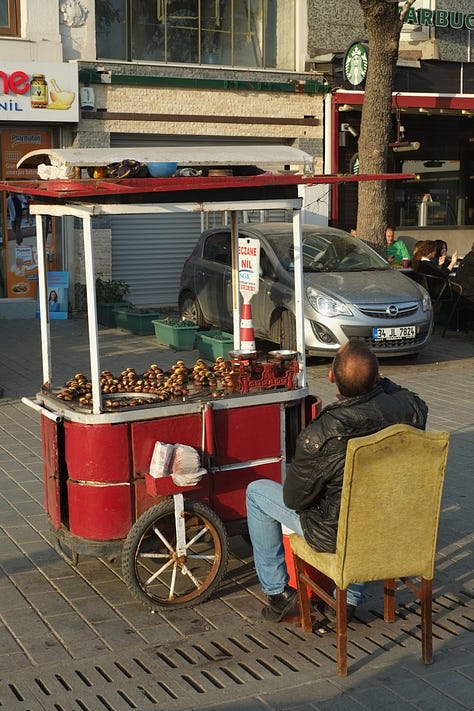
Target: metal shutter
{"points": [[142, 252], [148, 252]]}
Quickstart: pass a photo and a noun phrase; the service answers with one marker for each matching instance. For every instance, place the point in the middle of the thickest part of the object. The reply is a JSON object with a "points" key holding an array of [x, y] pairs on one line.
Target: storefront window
{"points": [[433, 197], [18, 255], [237, 33], [9, 13]]}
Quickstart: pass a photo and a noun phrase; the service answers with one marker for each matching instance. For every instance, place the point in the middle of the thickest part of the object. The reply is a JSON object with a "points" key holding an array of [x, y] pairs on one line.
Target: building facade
{"points": [[433, 111], [235, 72]]}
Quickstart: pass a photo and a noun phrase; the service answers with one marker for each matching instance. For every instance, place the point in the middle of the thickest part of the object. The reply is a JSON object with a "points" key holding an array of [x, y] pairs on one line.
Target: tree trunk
{"points": [[383, 24]]}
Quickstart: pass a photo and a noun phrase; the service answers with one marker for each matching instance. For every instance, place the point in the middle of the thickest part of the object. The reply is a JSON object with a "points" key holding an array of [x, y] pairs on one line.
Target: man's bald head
{"points": [[355, 369]]}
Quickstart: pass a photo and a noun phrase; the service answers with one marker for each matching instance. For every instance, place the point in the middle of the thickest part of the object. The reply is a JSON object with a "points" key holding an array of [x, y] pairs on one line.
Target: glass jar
{"points": [[38, 92]]}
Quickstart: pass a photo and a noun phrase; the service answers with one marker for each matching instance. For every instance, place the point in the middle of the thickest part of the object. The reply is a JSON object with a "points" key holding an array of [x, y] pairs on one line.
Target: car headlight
{"points": [[426, 303], [326, 305]]}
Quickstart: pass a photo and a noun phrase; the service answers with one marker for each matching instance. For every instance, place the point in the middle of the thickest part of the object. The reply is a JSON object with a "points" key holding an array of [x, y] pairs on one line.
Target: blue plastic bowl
{"points": [[161, 170]]}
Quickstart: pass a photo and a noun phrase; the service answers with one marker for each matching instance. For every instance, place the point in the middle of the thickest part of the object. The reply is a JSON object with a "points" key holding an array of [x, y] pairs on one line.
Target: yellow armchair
{"points": [[388, 525]]}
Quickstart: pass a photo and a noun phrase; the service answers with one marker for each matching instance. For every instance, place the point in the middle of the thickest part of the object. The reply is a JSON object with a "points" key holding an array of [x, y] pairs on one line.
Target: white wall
{"points": [[40, 40]]}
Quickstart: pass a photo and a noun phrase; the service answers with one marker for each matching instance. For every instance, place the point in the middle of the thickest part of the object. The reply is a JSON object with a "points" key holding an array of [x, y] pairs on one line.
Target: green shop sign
{"points": [[439, 18]]}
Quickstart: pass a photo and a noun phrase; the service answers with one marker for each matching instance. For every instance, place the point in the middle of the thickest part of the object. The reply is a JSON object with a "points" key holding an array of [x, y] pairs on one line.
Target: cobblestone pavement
{"points": [[74, 639]]}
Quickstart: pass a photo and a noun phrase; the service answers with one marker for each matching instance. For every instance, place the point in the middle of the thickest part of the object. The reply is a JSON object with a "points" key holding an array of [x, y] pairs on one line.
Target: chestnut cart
{"points": [[99, 496]]}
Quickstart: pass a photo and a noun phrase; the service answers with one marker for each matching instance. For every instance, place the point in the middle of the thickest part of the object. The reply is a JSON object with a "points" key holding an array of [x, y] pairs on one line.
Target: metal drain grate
{"points": [[259, 659]]}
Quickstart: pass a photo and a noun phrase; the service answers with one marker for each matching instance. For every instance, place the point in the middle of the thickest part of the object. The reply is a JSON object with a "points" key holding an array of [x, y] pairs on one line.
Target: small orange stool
{"points": [[311, 572]]}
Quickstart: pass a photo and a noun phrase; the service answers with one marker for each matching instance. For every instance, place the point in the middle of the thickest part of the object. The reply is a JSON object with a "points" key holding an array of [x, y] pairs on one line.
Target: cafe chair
{"points": [[445, 295], [388, 523]]}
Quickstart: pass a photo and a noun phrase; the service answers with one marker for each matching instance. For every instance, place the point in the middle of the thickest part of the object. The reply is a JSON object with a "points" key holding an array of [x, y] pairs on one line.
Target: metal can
{"points": [[38, 92]]}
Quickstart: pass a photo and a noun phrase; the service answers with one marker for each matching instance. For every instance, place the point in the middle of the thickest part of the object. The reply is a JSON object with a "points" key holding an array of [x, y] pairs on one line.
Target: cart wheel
{"points": [[153, 572], [68, 554]]}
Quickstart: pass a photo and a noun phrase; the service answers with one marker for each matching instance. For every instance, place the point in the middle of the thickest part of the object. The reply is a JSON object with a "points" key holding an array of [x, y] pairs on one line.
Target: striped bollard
{"points": [[247, 337]]}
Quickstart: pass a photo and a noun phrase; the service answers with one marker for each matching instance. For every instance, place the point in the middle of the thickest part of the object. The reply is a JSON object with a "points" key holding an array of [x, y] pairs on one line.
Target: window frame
{"points": [[13, 27], [127, 50]]}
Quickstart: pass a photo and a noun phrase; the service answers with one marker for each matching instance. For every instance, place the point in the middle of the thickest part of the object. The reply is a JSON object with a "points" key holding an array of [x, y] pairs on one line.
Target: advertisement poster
{"points": [[19, 225], [33, 88], [58, 295]]}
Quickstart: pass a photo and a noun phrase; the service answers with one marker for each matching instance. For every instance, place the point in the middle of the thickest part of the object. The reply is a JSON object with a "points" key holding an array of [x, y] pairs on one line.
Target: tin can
{"points": [[38, 92]]}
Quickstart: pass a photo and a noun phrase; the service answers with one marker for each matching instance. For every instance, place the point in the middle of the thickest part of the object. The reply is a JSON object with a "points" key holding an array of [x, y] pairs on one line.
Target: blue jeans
{"points": [[266, 513]]}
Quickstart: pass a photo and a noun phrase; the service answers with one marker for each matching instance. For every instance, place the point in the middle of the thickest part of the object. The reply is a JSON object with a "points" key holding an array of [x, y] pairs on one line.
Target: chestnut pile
{"points": [[156, 383]]}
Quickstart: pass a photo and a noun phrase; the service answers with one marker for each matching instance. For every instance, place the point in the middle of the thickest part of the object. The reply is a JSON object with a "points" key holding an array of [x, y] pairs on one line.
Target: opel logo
{"points": [[392, 310]]}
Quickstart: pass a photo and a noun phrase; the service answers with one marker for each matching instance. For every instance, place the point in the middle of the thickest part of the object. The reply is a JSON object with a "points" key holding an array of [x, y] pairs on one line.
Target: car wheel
{"points": [[284, 330], [191, 311]]}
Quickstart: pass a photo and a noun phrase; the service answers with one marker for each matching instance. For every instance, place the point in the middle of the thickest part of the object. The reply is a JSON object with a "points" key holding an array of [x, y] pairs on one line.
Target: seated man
{"points": [[396, 249], [465, 275], [465, 278], [308, 502]]}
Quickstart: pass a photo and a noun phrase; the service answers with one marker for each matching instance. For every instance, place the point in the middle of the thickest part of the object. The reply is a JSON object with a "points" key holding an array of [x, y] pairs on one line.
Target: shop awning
{"points": [[265, 156]]}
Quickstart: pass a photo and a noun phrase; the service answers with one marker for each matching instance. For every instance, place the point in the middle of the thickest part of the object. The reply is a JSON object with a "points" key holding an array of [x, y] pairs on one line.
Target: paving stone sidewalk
{"points": [[74, 639]]}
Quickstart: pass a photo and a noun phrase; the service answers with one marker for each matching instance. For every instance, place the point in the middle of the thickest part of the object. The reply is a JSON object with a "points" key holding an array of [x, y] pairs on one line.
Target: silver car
{"points": [[350, 292]]}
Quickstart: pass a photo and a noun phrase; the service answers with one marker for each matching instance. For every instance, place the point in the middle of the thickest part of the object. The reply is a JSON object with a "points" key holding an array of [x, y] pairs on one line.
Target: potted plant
{"points": [[214, 344], [176, 333], [136, 319], [109, 293]]}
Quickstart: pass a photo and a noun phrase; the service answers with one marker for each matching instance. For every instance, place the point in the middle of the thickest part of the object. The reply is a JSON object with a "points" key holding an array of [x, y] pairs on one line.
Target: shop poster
{"points": [[19, 227], [58, 295]]}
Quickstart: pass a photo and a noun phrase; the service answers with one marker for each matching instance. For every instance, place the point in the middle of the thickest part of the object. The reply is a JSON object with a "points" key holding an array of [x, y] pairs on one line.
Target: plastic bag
{"points": [[161, 459], [190, 479], [186, 460], [186, 466]]}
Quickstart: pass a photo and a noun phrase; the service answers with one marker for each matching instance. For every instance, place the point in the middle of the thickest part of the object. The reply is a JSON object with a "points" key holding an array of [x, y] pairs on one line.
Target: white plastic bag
{"points": [[186, 460], [190, 479], [186, 466], [161, 459]]}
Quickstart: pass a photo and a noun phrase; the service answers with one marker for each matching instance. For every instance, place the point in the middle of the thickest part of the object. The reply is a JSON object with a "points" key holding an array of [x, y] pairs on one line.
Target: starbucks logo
{"points": [[354, 164], [355, 64]]}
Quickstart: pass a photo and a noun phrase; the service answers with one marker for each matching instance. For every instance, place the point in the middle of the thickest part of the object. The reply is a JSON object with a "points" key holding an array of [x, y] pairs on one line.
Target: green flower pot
{"points": [[138, 322], [214, 344], [179, 336], [105, 313]]}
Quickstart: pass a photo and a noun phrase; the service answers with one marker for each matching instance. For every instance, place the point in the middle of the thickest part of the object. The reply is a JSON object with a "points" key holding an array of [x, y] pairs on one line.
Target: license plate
{"points": [[392, 333]]}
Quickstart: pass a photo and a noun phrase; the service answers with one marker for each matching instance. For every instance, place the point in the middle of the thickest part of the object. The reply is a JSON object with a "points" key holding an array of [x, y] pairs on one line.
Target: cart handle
{"points": [[54, 416]]}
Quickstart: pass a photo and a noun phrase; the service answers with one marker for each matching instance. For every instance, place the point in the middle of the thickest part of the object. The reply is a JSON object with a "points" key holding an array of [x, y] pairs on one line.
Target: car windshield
{"points": [[328, 252]]}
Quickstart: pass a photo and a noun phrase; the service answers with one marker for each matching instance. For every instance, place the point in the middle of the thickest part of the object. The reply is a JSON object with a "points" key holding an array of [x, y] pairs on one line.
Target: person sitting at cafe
{"points": [[465, 278], [309, 500], [396, 249], [465, 275], [440, 258], [422, 261]]}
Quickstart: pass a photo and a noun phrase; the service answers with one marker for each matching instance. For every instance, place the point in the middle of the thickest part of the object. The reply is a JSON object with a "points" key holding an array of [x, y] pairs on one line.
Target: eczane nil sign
{"points": [[439, 18]]}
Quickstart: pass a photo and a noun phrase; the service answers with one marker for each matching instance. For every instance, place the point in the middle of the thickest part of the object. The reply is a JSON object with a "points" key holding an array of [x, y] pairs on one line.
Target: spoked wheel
{"points": [[173, 560]]}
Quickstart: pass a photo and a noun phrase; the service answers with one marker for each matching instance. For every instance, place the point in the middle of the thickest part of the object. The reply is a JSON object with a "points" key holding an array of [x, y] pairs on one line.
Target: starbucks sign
{"points": [[354, 164], [356, 61]]}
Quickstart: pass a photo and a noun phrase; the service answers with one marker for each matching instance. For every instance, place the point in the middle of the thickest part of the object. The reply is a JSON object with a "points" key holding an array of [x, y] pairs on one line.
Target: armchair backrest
{"points": [[390, 504]]}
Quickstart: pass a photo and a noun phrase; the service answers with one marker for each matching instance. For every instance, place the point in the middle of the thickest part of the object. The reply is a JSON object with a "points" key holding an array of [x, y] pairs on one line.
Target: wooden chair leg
{"points": [[427, 620], [389, 600], [341, 631], [303, 597]]}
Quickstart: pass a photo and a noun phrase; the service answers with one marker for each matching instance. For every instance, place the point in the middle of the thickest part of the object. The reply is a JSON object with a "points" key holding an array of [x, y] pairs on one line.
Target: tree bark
{"points": [[383, 22]]}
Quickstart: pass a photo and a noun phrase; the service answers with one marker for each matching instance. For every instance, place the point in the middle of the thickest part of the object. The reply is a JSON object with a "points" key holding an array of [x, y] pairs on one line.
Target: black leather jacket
{"points": [[314, 480]]}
